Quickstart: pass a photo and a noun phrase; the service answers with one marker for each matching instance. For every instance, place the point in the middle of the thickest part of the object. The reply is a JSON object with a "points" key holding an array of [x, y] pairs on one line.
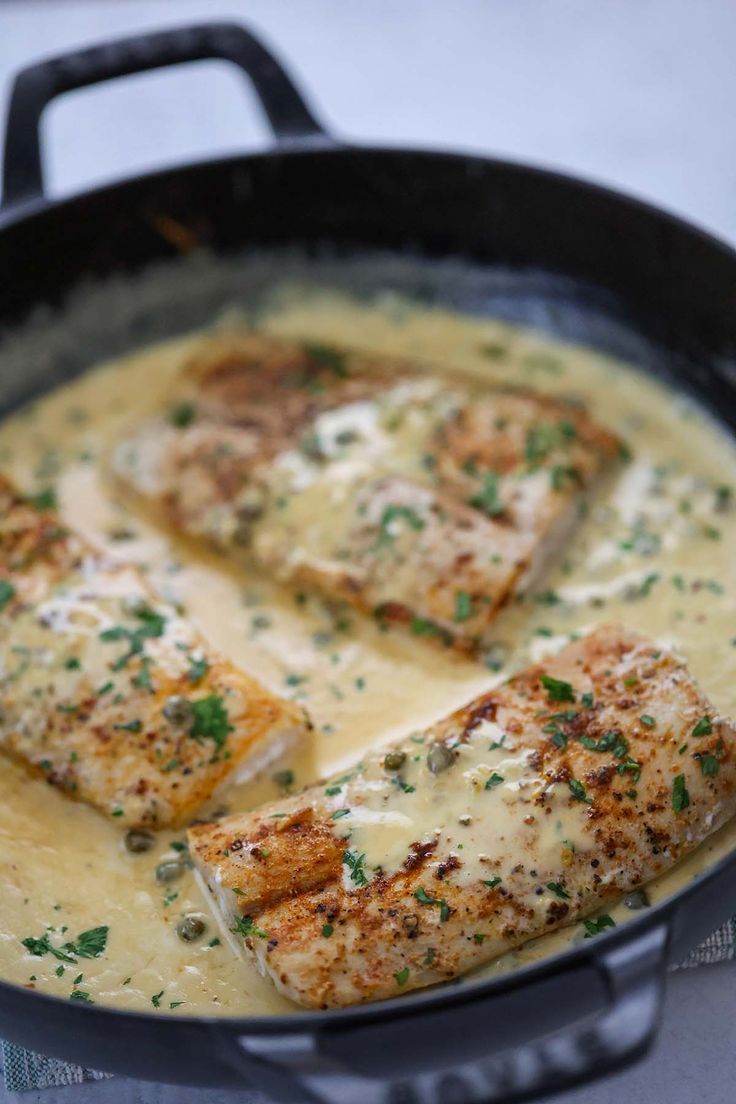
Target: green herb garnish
{"points": [[355, 864], [424, 899], [487, 498], [463, 606], [182, 415], [245, 925], [211, 721], [596, 926], [557, 689], [403, 976], [577, 789], [494, 780], [680, 796], [7, 591]]}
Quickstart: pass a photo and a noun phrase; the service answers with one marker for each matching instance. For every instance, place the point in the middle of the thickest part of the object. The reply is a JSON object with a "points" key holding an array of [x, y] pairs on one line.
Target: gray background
{"points": [[635, 93]]}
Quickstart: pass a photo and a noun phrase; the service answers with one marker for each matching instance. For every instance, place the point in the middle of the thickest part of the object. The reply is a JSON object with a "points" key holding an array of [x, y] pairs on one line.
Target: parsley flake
{"points": [[424, 899], [680, 796], [557, 689]]}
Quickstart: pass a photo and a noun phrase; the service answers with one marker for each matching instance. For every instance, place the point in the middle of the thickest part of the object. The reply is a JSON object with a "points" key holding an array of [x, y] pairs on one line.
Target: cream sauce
{"points": [[654, 553]]}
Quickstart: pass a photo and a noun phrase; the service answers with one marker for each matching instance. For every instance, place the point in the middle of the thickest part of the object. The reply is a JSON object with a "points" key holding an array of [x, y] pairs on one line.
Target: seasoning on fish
{"points": [[554, 800], [418, 499], [108, 691]]}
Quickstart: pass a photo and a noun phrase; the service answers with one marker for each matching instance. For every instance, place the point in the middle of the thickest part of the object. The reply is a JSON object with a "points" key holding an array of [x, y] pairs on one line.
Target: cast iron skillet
{"points": [[555, 1023]]}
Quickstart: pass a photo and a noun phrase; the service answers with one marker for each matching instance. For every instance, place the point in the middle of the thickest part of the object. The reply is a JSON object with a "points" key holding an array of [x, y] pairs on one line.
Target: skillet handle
{"points": [[616, 1037], [39, 84]]}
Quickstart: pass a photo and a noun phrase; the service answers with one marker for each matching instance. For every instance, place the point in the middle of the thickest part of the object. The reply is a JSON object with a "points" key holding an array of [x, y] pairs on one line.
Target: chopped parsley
{"points": [[81, 995], [577, 789], [402, 976], [198, 668], [424, 899], [143, 678], [327, 930], [43, 500], [543, 439], [43, 946], [612, 741], [596, 926], [647, 720], [494, 780], [210, 721], [91, 943], [709, 765], [88, 944], [393, 513], [680, 796], [327, 357], [421, 627], [339, 814], [561, 474], [559, 739], [156, 999], [492, 882], [558, 890], [557, 689], [703, 727], [7, 591], [355, 864], [463, 606], [129, 726], [182, 415], [152, 625], [245, 925], [487, 498]]}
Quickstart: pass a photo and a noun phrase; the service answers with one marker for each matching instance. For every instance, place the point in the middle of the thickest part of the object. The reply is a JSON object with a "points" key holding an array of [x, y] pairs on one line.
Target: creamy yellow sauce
{"points": [[654, 553]]}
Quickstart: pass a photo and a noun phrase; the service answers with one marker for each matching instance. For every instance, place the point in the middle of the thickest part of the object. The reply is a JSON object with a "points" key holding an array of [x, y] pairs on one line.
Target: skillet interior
{"points": [[123, 312]]}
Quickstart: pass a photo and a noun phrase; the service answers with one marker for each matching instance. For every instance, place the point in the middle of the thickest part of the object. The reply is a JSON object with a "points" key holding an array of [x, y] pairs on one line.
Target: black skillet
{"points": [[545, 244]]}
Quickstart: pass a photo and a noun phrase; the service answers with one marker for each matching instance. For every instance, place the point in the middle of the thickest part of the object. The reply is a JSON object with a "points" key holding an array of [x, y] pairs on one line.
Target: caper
{"points": [[439, 758], [394, 760], [191, 928], [169, 871], [637, 900], [178, 710], [138, 840]]}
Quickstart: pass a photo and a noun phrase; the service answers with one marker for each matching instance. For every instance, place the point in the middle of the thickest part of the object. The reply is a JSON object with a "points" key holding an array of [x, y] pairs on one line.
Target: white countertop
{"points": [[636, 93]]}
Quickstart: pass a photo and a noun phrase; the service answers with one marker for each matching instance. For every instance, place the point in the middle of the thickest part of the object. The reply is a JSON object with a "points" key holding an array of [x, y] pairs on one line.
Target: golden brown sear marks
{"points": [[107, 691], [417, 498], [538, 804]]}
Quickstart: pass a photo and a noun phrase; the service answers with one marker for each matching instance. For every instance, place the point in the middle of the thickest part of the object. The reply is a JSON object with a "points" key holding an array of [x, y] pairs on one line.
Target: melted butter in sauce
{"points": [[654, 553]]}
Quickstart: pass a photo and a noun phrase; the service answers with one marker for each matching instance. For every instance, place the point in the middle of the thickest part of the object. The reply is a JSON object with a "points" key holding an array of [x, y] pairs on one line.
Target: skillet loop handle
{"points": [[39, 84], [616, 1037]]}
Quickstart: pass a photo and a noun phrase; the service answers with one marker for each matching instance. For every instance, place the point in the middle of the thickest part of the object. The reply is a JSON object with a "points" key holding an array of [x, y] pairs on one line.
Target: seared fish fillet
{"points": [[409, 496], [108, 691], [536, 805]]}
